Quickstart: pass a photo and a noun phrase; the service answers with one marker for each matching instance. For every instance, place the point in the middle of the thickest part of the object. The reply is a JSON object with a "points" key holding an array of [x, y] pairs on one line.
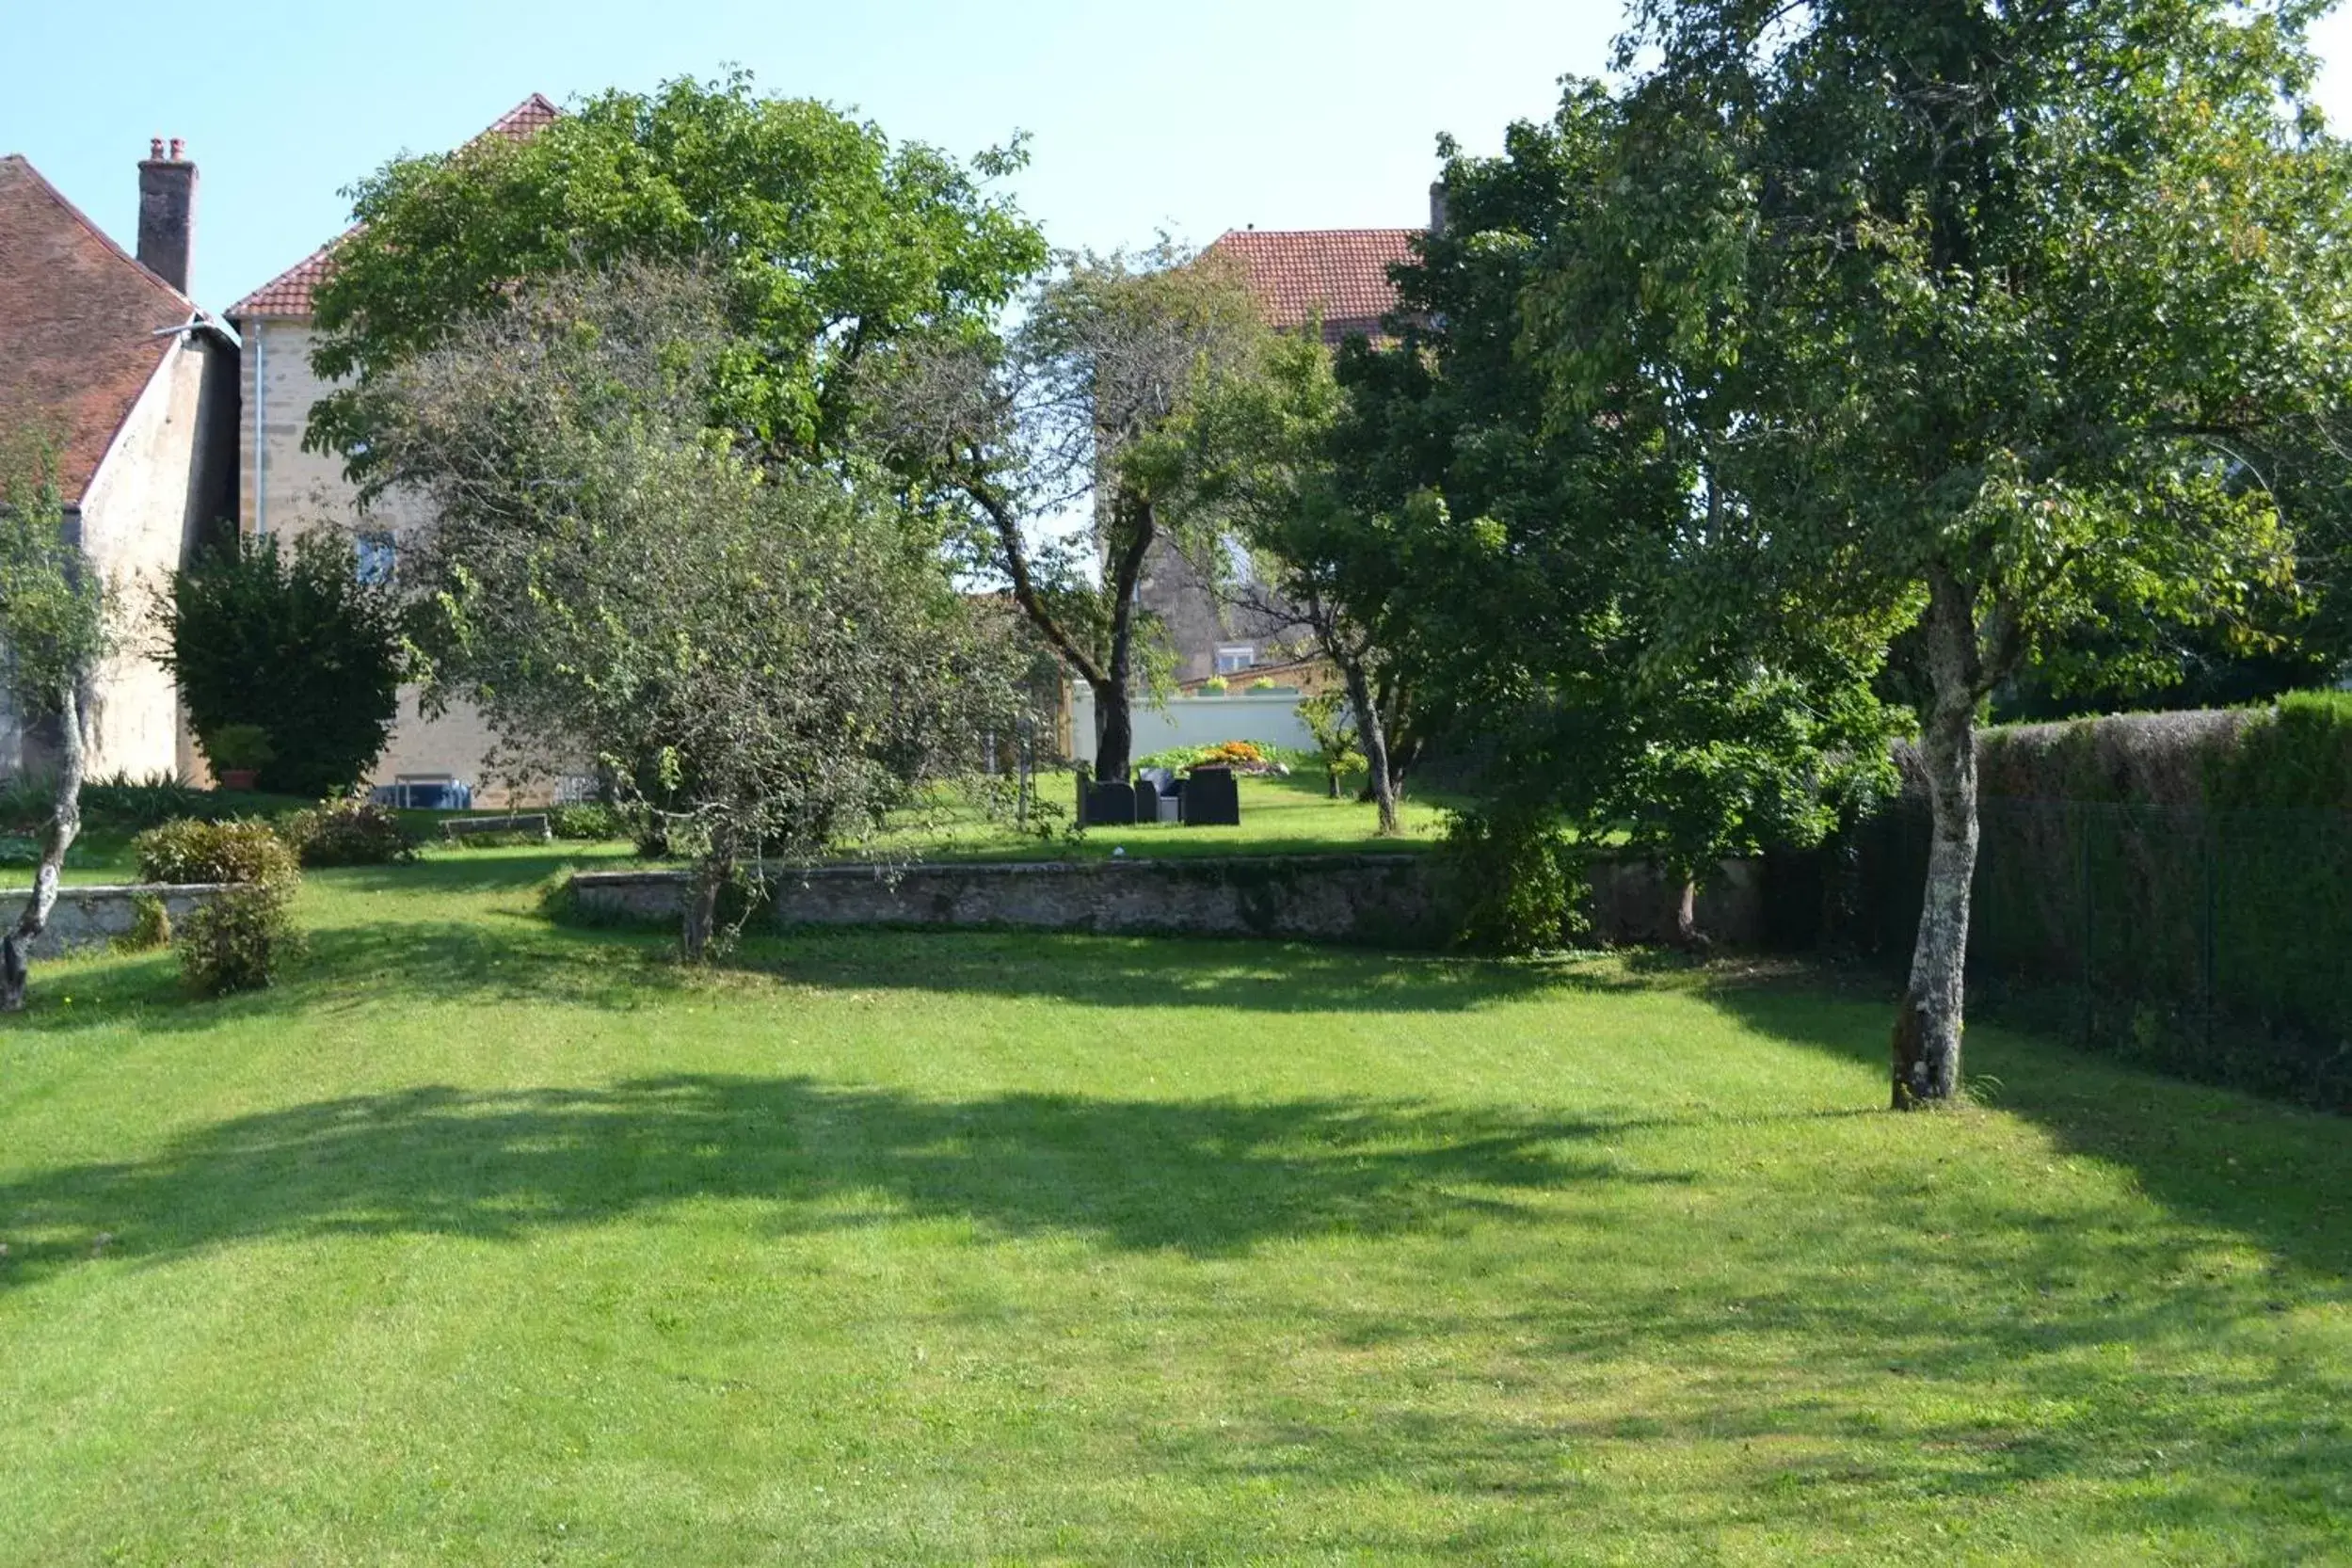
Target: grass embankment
{"points": [[481, 1241]]}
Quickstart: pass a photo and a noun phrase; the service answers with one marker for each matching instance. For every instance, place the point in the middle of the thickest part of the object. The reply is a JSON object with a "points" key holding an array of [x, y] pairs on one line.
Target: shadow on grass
{"points": [[507, 954], [2278, 1175], [1197, 1177]]}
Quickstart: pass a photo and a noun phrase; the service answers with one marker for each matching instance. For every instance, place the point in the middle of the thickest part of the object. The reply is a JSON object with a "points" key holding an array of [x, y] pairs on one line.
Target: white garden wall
{"points": [[1271, 717]]}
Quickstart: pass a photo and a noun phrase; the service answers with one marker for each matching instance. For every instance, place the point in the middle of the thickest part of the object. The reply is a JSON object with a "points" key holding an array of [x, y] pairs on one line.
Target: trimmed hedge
{"points": [[2177, 887]]}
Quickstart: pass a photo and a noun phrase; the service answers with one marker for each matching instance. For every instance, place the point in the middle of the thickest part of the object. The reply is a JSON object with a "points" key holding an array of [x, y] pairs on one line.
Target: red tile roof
{"points": [[1342, 274], [79, 325], [288, 294]]}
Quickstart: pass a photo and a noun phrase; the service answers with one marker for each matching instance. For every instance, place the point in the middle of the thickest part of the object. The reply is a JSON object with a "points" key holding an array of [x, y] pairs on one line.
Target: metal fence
{"points": [[2215, 942]]}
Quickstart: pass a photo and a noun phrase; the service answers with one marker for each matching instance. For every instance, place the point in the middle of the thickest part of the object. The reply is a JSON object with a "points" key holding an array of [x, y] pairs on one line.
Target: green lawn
{"points": [[1279, 816], [485, 1243]]}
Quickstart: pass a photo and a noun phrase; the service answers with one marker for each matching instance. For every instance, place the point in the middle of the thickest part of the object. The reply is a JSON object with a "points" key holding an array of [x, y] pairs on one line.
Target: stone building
{"points": [[110, 371], [286, 491]]}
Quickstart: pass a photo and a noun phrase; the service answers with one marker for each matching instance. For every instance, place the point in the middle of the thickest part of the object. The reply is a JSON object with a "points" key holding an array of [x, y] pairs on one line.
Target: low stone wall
{"points": [[94, 917], [1383, 899], [1372, 900]]}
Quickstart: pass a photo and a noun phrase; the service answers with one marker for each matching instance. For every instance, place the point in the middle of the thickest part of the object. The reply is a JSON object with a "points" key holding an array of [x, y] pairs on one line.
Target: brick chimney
{"points": [[1436, 207], [168, 212]]}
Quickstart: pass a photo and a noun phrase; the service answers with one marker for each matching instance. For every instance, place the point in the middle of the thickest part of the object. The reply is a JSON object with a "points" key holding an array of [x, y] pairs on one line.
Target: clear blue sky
{"points": [[1194, 115]]}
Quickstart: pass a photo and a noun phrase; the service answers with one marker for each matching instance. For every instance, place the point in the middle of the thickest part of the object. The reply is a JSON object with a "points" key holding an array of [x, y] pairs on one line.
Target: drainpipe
{"points": [[261, 429]]}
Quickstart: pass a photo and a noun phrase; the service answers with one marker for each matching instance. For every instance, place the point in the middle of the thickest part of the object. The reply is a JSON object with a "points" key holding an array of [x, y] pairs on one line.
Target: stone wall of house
{"points": [[1195, 619], [1374, 900], [138, 521], [288, 492], [94, 917]]}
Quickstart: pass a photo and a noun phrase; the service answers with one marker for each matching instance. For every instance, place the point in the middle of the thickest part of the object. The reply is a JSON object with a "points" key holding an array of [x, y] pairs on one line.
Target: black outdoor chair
{"points": [[1110, 803], [1211, 799], [1159, 796]]}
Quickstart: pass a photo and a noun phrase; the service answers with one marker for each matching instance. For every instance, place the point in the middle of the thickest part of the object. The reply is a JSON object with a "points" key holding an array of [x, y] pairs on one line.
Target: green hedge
{"points": [[2177, 887]]}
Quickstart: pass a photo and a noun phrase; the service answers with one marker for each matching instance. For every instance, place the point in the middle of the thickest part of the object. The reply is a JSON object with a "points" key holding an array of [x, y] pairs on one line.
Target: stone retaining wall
{"points": [[94, 917], [1374, 900]]}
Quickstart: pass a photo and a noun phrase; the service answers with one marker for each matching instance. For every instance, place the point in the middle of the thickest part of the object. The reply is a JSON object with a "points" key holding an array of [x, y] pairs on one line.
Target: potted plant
{"points": [[238, 753], [1216, 685]]}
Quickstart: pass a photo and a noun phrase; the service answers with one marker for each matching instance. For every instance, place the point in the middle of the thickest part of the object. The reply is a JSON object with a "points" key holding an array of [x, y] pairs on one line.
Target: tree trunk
{"points": [[1115, 703], [1687, 932], [1927, 1054], [65, 824], [1373, 737], [1331, 776], [702, 904], [1115, 725]]}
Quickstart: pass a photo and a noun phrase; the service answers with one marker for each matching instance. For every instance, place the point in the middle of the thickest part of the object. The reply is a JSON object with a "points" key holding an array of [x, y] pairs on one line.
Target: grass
{"points": [[480, 1242], [1279, 816]]}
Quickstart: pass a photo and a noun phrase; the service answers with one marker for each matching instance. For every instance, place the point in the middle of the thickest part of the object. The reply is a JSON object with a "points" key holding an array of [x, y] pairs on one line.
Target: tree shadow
{"points": [[2276, 1175], [1195, 1177], [508, 954]]}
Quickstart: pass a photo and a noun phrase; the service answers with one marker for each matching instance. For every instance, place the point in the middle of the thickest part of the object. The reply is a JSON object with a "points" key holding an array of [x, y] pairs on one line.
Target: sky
{"points": [[1190, 117]]}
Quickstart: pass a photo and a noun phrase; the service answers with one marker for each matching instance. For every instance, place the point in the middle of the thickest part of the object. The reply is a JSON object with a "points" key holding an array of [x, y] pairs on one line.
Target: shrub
{"points": [[1510, 884], [120, 802], [293, 644], [193, 852], [239, 940], [150, 926], [516, 840], [590, 823], [1216, 685], [349, 833], [238, 748]]}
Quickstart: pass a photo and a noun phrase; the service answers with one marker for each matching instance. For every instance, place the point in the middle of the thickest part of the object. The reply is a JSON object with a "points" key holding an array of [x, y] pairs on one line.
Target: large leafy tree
{"points": [[766, 659], [1061, 449], [1966, 318], [1528, 571], [832, 243], [1259, 469]]}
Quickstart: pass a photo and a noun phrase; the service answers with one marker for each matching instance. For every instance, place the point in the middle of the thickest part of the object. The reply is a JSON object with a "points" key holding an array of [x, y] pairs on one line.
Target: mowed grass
{"points": [[1279, 816], [485, 1242]]}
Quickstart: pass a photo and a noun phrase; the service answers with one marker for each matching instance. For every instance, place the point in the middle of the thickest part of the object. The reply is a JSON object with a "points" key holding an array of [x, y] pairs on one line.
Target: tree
{"points": [[1522, 573], [1079, 409], [1964, 317], [300, 643], [832, 243], [765, 659], [55, 624], [1329, 719], [1258, 468]]}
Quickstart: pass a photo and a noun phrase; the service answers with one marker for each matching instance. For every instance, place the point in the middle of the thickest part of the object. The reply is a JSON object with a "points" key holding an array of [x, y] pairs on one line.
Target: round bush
{"points": [[349, 833], [196, 852], [238, 941]]}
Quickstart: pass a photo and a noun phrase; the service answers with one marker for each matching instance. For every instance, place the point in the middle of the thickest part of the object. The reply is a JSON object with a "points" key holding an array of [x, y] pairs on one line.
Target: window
{"points": [[1234, 656], [378, 554]]}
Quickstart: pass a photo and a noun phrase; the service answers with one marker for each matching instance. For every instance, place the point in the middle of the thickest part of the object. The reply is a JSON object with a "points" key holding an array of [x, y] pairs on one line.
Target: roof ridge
{"points": [[295, 285], [1387, 228], [103, 238]]}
